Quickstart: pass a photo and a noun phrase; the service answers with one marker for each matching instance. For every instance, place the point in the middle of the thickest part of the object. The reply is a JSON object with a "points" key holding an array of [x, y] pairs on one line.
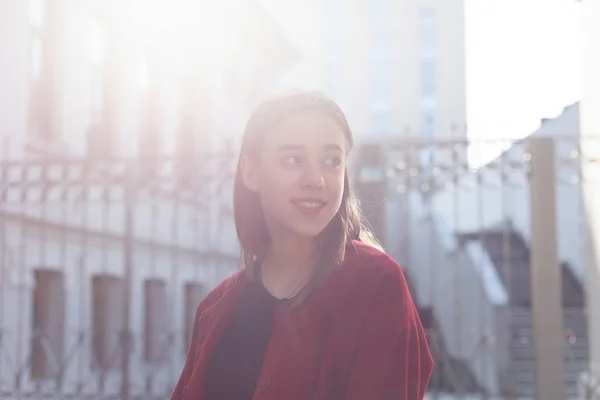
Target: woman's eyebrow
{"points": [[288, 147], [296, 147], [332, 147]]}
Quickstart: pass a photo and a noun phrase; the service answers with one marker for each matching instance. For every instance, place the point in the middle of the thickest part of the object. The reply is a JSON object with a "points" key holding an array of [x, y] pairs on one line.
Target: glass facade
{"points": [[335, 82], [427, 72], [381, 53]]}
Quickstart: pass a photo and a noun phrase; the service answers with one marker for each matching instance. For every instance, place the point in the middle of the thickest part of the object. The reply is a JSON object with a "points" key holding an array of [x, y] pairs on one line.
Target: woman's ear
{"points": [[249, 174]]}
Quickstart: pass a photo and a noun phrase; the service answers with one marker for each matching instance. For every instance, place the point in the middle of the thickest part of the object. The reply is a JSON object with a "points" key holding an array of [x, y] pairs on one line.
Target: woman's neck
{"points": [[288, 266]]}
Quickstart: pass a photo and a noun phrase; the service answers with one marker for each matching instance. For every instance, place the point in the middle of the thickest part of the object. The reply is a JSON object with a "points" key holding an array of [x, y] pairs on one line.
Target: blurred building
{"points": [[85, 72], [397, 68], [466, 238], [115, 220], [590, 126]]}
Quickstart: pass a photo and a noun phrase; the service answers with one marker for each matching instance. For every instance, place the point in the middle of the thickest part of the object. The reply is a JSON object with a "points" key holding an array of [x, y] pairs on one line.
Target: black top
{"points": [[236, 364]]}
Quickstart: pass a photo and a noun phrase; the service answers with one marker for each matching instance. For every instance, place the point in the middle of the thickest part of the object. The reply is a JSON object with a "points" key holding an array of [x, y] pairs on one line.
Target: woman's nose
{"points": [[313, 177]]}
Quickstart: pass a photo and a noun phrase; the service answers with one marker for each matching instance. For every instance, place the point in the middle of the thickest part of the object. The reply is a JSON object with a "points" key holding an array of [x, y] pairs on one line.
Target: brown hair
{"points": [[252, 232]]}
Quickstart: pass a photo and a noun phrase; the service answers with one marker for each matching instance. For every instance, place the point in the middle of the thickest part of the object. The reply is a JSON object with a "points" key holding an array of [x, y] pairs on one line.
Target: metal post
{"points": [[546, 285], [590, 152]]}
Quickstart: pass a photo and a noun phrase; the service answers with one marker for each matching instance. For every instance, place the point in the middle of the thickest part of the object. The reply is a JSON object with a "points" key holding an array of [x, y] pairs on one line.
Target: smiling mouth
{"points": [[309, 207], [309, 203]]}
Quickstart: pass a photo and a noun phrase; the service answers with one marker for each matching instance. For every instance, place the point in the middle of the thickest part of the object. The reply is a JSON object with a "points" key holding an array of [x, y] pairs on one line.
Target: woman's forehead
{"points": [[308, 128]]}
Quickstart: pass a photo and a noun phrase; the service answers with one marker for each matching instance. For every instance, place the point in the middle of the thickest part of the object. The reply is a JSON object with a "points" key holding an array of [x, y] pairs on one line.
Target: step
{"points": [[522, 364], [525, 390], [568, 311], [568, 323], [530, 377], [568, 329], [579, 346], [567, 359], [575, 353], [528, 391], [529, 365]]}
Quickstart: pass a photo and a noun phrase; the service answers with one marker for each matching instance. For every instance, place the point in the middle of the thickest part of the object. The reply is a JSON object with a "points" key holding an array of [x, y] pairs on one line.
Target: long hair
{"points": [[346, 226]]}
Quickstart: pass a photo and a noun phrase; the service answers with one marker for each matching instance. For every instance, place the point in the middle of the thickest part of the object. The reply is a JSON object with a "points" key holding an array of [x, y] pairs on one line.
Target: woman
{"points": [[316, 313]]}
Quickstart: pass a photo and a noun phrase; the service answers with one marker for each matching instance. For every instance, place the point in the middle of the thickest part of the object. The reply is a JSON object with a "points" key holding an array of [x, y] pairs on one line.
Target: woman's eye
{"points": [[292, 160], [333, 162]]}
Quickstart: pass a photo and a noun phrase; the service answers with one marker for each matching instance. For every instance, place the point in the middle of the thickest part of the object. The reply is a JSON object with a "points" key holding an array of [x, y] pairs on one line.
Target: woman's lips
{"points": [[309, 206]]}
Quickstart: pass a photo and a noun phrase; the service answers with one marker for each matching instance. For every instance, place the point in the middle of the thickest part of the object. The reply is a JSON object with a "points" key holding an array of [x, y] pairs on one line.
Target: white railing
{"points": [[462, 287]]}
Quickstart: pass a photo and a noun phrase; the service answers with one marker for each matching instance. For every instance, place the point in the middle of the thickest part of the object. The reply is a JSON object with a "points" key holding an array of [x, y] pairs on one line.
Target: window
{"points": [[143, 77], [380, 81], [48, 324], [381, 53], [381, 110], [194, 292], [151, 113], [155, 320], [37, 13], [381, 120], [99, 135], [36, 57], [427, 87], [428, 80], [427, 28], [37, 17], [334, 74], [427, 123], [381, 7], [186, 141], [381, 33], [96, 62], [428, 67], [381, 67], [428, 64], [334, 13], [381, 20], [150, 141], [381, 23], [336, 42], [107, 321]]}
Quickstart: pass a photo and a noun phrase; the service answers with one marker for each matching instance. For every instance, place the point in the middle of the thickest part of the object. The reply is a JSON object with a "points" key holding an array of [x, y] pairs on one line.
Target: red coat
{"points": [[358, 337]]}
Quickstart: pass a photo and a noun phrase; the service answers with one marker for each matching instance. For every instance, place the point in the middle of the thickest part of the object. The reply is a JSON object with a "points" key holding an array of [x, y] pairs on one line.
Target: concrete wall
{"points": [[83, 239]]}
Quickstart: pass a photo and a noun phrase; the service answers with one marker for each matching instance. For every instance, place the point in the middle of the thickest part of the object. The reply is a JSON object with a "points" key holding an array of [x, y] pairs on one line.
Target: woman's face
{"points": [[299, 175]]}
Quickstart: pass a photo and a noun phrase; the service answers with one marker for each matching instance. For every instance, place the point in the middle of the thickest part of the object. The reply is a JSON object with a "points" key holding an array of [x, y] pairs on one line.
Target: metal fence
{"points": [[102, 263]]}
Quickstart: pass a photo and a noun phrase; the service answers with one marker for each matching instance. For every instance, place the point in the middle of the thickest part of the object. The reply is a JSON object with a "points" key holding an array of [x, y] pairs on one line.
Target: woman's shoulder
{"points": [[221, 289], [365, 268], [364, 258]]}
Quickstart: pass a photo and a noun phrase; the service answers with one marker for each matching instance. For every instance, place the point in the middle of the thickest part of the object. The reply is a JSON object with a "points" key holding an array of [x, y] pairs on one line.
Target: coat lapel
{"points": [[212, 324]]}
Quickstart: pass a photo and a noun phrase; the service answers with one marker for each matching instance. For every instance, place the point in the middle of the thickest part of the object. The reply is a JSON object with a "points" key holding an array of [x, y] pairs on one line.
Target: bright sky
{"points": [[523, 63]]}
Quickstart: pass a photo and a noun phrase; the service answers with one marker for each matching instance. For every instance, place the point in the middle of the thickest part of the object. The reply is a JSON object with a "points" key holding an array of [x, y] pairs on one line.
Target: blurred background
{"points": [[477, 162]]}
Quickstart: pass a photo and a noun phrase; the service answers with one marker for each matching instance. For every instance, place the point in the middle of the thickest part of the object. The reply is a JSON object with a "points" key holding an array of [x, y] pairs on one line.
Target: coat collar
{"points": [[226, 302], [211, 326]]}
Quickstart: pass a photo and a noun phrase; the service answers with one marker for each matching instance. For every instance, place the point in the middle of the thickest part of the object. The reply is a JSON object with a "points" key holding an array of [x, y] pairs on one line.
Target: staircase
{"points": [[450, 374], [522, 351], [510, 255]]}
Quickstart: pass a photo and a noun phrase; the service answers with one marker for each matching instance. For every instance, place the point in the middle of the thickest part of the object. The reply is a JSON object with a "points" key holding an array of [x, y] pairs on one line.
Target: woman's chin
{"points": [[308, 230]]}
